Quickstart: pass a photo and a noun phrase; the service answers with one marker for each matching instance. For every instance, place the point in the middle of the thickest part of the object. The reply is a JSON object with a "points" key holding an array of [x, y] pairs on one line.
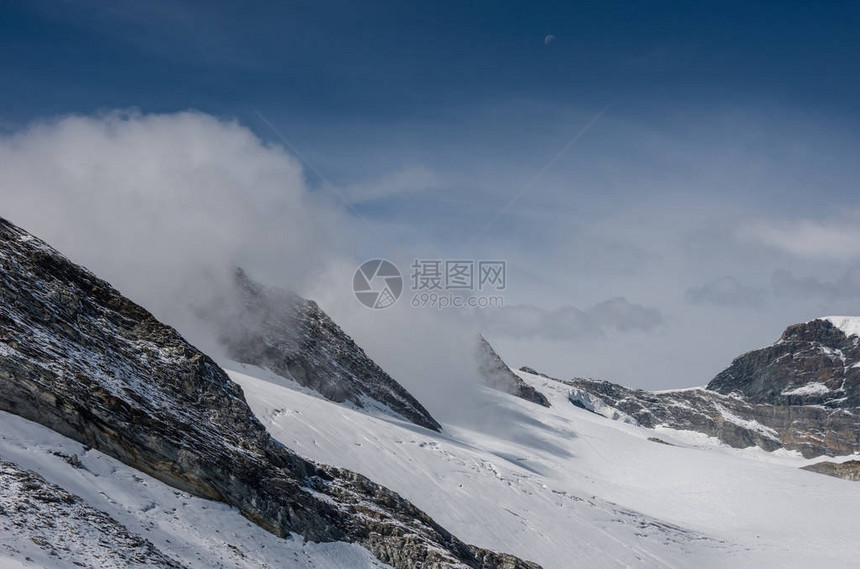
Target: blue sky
{"points": [[718, 186], [390, 62]]}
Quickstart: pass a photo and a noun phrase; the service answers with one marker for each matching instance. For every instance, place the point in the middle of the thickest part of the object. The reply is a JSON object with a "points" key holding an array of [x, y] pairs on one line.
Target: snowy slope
{"points": [[195, 533], [565, 487]]}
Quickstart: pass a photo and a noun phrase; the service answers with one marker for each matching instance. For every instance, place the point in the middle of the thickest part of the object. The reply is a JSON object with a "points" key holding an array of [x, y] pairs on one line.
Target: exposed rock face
{"points": [[66, 528], [800, 393], [81, 359], [849, 470], [814, 363], [495, 373], [295, 339]]}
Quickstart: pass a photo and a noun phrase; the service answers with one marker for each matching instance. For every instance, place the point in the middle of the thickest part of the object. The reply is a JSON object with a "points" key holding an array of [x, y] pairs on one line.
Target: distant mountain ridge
{"points": [[800, 393]]}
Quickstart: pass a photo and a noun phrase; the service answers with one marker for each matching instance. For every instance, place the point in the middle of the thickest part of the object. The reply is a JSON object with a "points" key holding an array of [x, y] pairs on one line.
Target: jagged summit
{"points": [[296, 339], [79, 358]]}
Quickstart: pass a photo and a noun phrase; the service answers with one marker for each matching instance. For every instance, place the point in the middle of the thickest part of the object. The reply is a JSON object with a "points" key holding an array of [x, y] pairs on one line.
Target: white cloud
{"points": [[164, 205]]}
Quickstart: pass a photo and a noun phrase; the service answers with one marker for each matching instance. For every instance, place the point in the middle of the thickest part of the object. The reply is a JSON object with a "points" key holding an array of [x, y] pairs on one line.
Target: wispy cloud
{"points": [[405, 181], [726, 291], [831, 238]]}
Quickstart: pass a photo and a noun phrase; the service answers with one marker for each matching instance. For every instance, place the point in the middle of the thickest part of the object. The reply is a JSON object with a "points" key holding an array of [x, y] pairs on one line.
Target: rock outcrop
{"points": [[801, 393], [295, 339], [495, 373], [83, 360], [849, 470]]}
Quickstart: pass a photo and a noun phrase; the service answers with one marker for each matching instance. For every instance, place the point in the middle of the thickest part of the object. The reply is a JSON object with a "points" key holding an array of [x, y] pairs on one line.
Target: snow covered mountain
{"points": [[295, 339], [800, 393], [122, 445], [86, 362]]}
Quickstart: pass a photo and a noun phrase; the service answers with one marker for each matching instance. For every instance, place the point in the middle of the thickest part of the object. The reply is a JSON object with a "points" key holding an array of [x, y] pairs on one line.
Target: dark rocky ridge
{"points": [[294, 338], [81, 359], [801, 393], [495, 373]]}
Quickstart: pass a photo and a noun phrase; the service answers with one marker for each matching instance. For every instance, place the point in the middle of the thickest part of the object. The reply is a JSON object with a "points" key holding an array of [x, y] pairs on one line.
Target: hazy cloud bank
{"points": [[165, 206]]}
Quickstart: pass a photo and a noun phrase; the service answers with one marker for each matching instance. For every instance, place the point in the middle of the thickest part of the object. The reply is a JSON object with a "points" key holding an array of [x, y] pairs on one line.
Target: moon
{"points": [[548, 39]]}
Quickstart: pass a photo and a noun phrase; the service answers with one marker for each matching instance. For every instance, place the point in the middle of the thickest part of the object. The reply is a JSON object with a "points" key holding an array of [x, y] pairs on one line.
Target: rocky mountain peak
{"points": [[813, 363], [294, 338]]}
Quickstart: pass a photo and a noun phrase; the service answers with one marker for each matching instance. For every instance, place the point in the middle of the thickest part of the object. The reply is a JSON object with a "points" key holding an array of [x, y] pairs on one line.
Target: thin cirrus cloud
{"points": [[725, 291], [405, 181]]}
